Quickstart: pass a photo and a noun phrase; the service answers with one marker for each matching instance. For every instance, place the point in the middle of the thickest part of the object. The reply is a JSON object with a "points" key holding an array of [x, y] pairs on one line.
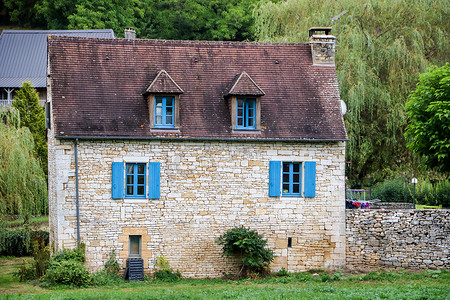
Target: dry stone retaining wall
{"points": [[412, 239]]}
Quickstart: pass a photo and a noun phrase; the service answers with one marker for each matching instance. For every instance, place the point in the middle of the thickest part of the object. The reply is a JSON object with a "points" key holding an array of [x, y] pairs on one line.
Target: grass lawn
{"points": [[382, 285], [39, 222]]}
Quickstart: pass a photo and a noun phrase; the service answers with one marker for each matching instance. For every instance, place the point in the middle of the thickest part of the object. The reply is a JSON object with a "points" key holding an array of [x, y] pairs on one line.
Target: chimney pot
{"points": [[130, 33]]}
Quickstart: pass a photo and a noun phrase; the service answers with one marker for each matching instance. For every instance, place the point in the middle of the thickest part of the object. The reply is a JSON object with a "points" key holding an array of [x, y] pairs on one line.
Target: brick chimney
{"points": [[130, 33], [322, 46]]}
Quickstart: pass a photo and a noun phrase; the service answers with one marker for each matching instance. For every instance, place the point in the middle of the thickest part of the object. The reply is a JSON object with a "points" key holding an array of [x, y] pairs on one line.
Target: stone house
{"points": [[157, 147]]}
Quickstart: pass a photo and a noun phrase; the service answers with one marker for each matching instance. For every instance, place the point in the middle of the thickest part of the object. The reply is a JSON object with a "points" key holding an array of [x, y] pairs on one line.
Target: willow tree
{"points": [[23, 186], [383, 46]]}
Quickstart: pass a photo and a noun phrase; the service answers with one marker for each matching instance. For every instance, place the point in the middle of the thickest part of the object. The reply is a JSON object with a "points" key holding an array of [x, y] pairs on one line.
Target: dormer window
{"points": [[164, 111], [245, 113], [245, 103], [163, 102]]}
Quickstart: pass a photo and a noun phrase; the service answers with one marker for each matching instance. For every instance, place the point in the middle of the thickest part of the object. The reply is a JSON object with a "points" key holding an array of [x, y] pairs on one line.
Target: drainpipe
{"points": [[76, 190]]}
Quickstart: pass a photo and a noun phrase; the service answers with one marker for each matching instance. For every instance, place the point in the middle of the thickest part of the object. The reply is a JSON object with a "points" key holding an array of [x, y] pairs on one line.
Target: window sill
{"points": [[247, 131], [165, 129], [135, 200]]}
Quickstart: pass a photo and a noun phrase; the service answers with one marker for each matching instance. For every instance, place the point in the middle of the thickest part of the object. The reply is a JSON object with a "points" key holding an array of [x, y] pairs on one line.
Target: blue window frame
{"points": [[135, 180], [164, 111], [292, 179], [245, 113]]}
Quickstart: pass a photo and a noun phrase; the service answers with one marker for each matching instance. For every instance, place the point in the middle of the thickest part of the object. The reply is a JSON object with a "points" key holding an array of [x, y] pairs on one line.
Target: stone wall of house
{"points": [[391, 205], [207, 187], [412, 239]]}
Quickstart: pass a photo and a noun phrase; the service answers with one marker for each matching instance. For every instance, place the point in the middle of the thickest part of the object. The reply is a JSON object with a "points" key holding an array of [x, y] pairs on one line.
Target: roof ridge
{"points": [[193, 42]]}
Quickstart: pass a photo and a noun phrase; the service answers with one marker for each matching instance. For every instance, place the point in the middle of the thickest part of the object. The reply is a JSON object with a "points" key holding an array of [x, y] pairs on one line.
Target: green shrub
{"points": [[443, 193], [67, 267], [391, 191], [14, 242], [248, 245], [112, 266], [68, 272], [19, 242], [76, 254], [164, 272], [26, 271], [102, 278], [426, 192]]}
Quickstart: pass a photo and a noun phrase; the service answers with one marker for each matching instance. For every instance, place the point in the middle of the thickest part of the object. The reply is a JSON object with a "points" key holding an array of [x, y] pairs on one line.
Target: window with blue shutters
{"points": [[131, 180], [292, 179]]}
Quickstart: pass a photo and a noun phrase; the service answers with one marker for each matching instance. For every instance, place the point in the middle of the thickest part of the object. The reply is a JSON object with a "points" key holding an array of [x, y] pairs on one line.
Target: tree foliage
{"points": [[383, 46], [163, 19], [32, 115], [429, 118], [23, 186]]}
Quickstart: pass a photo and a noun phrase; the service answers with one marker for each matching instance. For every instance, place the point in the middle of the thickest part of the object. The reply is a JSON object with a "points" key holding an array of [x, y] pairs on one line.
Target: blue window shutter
{"points": [[274, 178], [310, 179], [154, 180], [117, 180]]}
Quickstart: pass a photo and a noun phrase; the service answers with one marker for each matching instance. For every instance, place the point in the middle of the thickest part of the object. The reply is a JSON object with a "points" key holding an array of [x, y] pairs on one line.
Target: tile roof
{"points": [[23, 54], [97, 88]]}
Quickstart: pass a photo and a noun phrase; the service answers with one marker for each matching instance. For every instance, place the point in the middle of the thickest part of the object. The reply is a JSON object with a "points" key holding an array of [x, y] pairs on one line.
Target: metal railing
{"points": [[5, 103], [8, 103]]}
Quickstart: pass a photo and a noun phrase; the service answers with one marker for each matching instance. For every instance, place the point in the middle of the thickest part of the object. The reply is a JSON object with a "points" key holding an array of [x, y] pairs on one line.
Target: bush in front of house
{"points": [[68, 272], [67, 267], [249, 246], [164, 272]]}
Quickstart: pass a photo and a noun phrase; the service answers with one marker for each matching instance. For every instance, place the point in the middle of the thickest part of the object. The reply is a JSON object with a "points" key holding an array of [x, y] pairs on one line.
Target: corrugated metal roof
{"points": [[23, 54]]}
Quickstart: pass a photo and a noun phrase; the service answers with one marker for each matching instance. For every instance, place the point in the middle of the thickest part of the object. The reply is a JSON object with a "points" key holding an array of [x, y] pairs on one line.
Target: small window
{"points": [[135, 246], [164, 112], [291, 179], [135, 181], [245, 113]]}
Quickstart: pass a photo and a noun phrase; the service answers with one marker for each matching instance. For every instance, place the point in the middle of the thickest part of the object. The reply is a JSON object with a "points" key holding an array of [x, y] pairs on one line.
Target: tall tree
{"points": [[32, 115], [23, 187], [429, 118], [383, 46]]}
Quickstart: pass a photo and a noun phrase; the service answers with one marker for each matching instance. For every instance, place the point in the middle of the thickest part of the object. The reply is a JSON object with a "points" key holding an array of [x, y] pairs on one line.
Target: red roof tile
{"points": [[97, 86]]}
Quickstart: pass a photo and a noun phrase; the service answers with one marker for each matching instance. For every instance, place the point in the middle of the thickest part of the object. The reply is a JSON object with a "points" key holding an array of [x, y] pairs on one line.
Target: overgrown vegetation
{"points": [[426, 192], [23, 186], [249, 247], [428, 111], [164, 19], [20, 242], [383, 47], [164, 272], [67, 267]]}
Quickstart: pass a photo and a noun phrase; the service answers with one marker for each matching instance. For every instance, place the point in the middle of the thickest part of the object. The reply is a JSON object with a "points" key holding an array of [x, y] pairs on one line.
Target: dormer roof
{"points": [[243, 84], [163, 84]]}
